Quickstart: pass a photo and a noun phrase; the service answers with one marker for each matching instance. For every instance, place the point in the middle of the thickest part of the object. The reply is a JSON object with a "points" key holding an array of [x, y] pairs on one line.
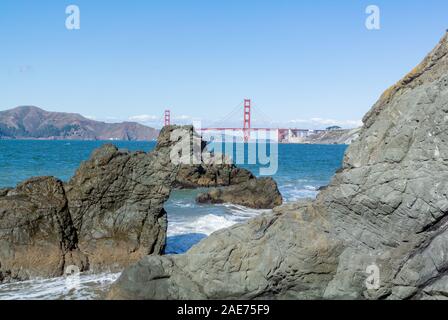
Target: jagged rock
{"points": [[273, 255], [214, 172], [116, 198], [4, 191], [256, 193], [116, 201], [37, 235], [386, 209], [206, 176]]}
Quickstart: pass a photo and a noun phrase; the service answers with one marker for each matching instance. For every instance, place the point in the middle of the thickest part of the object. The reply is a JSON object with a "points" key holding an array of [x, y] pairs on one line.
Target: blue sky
{"points": [[304, 63]]}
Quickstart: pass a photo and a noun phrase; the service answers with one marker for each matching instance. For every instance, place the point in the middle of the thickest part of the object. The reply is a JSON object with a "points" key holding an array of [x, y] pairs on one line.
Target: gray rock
{"points": [[4, 191], [260, 259], [385, 210], [116, 201], [260, 193], [205, 176], [218, 171], [37, 234]]}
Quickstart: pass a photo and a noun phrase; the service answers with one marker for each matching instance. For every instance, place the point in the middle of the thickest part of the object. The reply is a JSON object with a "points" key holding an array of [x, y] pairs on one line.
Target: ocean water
{"points": [[302, 169]]}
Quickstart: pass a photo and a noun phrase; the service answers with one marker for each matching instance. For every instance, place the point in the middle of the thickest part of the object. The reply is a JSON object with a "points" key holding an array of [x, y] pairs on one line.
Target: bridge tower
{"points": [[247, 110], [167, 118]]}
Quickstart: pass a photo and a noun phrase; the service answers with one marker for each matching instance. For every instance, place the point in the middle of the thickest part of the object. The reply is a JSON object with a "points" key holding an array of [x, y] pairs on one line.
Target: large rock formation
{"points": [[215, 171], [37, 234], [260, 193], [110, 214], [116, 202], [385, 212]]}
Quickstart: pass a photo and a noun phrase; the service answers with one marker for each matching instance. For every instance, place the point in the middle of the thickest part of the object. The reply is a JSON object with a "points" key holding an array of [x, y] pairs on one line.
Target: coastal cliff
{"points": [[385, 210]]}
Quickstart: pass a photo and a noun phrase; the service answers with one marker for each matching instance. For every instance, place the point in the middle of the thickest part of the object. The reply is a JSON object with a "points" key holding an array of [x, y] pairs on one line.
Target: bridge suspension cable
{"points": [[231, 116], [259, 116]]}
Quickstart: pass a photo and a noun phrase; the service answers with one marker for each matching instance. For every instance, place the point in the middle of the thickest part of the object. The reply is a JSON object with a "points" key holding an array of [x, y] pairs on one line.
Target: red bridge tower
{"points": [[246, 130], [167, 118]]}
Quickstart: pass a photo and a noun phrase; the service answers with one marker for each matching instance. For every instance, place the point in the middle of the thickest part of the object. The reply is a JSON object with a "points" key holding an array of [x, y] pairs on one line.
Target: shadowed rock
{"points": [[386, 210], [37, 235], [116, 202], [205, 176], [256, 193]]}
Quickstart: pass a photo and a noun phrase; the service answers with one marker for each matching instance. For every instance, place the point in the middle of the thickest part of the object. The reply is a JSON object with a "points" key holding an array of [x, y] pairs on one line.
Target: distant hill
{"points": [[34, 123], [332, 136]]}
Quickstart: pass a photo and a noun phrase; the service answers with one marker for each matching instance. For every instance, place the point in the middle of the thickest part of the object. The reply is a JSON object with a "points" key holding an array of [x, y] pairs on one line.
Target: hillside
{"points": [[34, 123], [332, 137]]}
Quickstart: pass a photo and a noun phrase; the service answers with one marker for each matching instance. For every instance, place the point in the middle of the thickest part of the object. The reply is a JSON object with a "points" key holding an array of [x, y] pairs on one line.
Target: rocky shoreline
{"points": [[378, 231], [108, 216]]}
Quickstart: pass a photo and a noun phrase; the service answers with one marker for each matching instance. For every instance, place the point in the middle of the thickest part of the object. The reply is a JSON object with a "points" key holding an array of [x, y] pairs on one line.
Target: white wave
{"points": [[242, 211], [88, 287], [295, 194], [205, 225], [210, 223], [183, 204]]}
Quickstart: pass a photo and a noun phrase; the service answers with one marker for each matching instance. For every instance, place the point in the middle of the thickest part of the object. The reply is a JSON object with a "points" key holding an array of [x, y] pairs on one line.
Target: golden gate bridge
{"points": [[283, 134]]}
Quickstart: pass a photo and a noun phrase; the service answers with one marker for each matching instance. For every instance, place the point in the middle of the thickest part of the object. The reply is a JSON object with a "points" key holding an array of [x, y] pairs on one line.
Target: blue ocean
{"points": [[302, 169]]}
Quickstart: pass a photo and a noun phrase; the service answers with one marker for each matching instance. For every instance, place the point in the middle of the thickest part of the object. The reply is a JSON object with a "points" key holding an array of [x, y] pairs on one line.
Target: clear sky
{"points": [[304, 63]]}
